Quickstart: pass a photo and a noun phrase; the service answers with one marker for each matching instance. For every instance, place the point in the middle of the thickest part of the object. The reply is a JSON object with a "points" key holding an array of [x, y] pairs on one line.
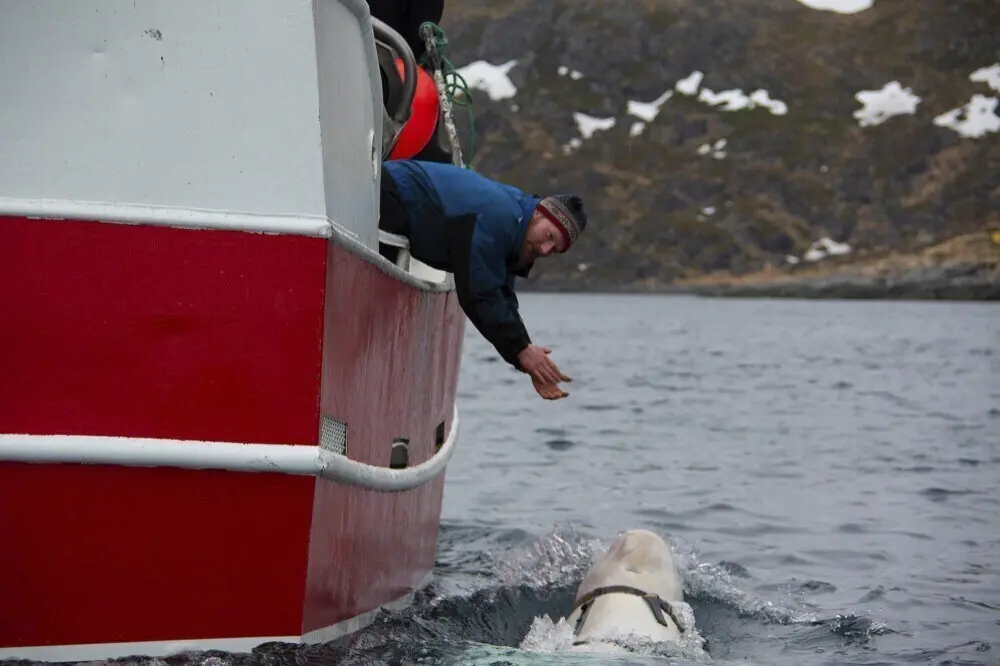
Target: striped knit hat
{"points": [[566, 210]]}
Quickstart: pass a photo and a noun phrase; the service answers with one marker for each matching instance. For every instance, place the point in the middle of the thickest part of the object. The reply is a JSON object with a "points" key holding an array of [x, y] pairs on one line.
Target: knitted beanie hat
{"points": [[566, 210]]}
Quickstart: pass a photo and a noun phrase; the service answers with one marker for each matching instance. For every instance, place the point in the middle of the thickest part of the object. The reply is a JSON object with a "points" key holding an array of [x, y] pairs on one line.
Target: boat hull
{"points": [[119, 332]]}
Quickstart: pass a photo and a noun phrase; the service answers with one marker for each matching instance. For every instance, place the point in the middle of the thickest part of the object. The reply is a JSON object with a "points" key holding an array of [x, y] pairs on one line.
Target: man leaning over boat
{"points": [[486, 234]]}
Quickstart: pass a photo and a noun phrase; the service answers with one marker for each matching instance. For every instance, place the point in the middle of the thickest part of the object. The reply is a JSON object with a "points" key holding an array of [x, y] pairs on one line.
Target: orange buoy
{"points": [[423, 120]]}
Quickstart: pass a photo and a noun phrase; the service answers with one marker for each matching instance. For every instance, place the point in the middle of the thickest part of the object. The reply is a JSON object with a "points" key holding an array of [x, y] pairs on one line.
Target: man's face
{"points": [[541, 239]]}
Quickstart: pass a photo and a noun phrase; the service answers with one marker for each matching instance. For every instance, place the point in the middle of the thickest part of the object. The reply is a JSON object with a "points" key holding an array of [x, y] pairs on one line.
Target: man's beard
{"points": [[524, 261]]}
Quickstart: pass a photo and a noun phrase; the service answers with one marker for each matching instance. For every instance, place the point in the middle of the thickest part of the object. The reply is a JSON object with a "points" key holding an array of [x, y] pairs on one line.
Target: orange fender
{"points": [[424, 111]]}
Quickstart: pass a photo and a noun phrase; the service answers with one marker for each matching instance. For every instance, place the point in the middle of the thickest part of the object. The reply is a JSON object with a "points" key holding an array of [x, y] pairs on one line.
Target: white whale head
{"points": [[629, 590]]}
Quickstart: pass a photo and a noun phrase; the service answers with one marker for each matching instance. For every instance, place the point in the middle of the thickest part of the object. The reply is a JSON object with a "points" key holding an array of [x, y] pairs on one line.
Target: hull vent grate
{"points": [[333, 435]]}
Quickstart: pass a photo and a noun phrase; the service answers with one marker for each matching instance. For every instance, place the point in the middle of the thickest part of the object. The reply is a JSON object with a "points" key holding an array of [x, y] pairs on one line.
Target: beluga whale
{"points": [[634, 589]]}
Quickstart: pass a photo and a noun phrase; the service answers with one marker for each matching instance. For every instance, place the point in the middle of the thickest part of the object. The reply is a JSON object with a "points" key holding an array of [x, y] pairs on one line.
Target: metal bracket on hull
{"points": [[397, 241], [227, 456]]}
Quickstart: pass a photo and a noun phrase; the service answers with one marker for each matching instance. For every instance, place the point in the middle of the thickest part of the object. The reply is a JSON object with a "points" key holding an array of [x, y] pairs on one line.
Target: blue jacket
{"points": [[466, 224]]}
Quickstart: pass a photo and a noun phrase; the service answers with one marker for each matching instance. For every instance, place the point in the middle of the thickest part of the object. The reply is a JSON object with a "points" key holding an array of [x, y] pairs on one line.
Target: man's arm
{"points": [[481, 283], [510, 295]]}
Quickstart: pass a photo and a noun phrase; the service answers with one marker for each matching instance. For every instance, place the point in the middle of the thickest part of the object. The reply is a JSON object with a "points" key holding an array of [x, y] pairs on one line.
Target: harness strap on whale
{"points": [[657, 606]]}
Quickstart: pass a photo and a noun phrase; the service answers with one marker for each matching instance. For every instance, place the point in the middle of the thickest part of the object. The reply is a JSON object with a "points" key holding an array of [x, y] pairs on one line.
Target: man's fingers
{"points": [[549, 373], [546, 377], [551, 366], [559, 375], [552, 393], [548, 390], [543, 375]]}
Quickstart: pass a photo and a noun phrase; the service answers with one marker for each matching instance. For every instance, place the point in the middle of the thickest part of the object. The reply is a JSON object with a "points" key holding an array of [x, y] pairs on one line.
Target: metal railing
{"points": [[230, 456]]}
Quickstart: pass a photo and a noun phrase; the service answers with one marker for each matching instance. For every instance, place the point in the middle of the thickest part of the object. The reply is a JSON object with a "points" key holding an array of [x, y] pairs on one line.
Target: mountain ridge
{"points": [[688, 188]]}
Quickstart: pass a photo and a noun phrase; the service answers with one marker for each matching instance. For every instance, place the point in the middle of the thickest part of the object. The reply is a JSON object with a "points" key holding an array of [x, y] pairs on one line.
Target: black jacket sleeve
{"points": [[484, 289]]}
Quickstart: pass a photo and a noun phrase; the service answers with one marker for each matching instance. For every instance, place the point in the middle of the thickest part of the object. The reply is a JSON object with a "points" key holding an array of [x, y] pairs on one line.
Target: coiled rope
{"points": [[452, 87]]}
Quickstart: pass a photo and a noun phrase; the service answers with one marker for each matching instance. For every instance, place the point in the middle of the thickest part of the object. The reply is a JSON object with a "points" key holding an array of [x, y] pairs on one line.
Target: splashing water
{"points": [[558, 558], [561, 558]]}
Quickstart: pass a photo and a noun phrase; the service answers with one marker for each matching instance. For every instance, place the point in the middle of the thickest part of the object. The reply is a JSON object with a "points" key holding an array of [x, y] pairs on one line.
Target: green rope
{"points": [[454, 83]]}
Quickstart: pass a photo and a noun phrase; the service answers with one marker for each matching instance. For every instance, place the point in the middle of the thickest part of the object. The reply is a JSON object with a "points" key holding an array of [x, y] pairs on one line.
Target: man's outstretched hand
{"points": [[545, 375], [548, 391]]}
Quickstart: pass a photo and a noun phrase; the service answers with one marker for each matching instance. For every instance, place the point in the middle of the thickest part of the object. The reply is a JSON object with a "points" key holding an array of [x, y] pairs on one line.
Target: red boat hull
{"points": [[133, 331]]}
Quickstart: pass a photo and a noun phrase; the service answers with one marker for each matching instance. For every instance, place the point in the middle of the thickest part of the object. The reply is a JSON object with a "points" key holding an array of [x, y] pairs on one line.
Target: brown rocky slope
{"points": [[702, 190]]}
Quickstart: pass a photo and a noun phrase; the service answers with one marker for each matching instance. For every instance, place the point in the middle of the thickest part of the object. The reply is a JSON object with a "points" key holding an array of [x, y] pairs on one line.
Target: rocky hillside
{"points": [[734, 136]]}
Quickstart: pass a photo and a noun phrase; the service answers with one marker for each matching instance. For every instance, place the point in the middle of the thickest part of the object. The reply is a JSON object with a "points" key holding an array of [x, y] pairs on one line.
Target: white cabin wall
{"points": [[193, 104]]}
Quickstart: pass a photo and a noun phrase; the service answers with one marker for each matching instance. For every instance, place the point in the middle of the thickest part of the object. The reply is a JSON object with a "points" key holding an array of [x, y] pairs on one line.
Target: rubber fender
{"points": [[424, 112]]}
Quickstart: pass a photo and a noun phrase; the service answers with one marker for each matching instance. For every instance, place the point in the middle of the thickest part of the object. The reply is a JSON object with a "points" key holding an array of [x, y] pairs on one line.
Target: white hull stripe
{"points": [[101, 651], [63, 209], [229, 456]]}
